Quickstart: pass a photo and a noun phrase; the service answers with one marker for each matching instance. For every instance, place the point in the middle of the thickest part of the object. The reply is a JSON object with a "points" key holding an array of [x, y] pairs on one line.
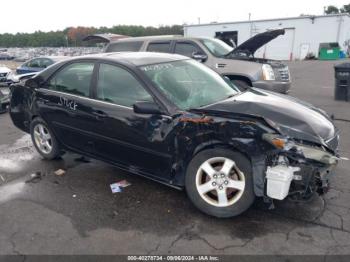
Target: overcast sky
{"points": [[47, 15]]}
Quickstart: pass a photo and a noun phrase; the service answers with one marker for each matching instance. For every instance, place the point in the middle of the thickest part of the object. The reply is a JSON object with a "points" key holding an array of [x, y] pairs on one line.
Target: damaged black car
{"points": [[174, 120]]}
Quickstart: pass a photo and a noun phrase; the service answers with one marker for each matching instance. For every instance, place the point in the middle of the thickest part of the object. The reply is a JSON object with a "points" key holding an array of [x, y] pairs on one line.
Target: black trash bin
{"points": [[342, 82]]}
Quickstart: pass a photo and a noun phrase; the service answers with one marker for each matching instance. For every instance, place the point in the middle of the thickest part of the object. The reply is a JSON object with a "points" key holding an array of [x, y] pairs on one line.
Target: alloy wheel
{"points": [[42, 138], [220, 182]]}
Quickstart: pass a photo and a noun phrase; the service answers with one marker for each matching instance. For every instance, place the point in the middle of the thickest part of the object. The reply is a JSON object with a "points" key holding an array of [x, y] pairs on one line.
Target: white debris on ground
{"points": [[10, 190], [12, 156], [118, 187], [59, 172]]}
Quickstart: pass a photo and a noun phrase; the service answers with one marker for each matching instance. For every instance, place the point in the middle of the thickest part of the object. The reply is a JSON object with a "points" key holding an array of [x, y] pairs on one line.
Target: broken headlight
{"points": [[268, 73], [318, 154], [278, 141], [314, 153]]}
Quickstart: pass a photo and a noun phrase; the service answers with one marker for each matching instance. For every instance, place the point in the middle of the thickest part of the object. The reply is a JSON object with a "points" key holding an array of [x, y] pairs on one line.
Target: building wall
{"points": [[303, 35]]}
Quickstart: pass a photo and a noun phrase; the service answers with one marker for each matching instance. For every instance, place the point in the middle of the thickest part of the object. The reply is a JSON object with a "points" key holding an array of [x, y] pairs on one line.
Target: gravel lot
{"points": [[77, 213]]}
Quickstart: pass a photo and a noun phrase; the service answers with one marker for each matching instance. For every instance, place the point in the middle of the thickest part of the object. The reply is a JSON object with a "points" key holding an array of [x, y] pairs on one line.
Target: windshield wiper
{"points": [[232, 95]]}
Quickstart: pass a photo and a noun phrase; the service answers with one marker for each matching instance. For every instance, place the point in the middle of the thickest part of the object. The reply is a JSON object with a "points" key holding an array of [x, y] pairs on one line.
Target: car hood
{"points": [[252, 44], [292, 117]]}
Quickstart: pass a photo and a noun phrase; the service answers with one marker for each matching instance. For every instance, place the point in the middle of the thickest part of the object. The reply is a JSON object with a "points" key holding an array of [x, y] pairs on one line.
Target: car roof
{"points": [[53, 58], [136, 58], [157, 38]]}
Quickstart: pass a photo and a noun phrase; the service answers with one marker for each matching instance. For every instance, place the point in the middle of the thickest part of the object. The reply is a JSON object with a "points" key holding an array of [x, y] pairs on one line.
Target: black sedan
{"points": [[173, 120]]}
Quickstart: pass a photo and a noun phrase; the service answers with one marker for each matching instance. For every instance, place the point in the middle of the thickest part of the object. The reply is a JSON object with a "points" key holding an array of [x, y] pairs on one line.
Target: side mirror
{"points": [[33, 83], [147, 108], [199, 56]]}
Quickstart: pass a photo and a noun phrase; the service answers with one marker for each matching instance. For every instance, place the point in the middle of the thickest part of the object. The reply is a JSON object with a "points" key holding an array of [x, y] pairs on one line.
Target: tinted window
{"points": [[124, 47], [73, 79], [163, 47], [34, 63], [45, 62], [116, 85], [185, 49]]}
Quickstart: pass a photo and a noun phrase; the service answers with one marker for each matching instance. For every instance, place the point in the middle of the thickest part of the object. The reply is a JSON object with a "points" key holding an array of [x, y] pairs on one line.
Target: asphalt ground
{"points": [[77, 214]]}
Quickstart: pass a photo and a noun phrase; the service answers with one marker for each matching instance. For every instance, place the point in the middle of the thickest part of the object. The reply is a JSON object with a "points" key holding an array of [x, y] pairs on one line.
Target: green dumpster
{"points": [[329, 51]]}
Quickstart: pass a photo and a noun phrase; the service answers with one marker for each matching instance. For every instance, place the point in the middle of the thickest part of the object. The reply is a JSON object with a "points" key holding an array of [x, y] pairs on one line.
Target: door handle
{"points": [[99, 114]]}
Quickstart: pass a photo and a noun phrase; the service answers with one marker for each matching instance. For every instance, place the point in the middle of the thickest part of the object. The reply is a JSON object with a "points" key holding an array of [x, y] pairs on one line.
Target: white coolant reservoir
{"points": [[278, 180]]}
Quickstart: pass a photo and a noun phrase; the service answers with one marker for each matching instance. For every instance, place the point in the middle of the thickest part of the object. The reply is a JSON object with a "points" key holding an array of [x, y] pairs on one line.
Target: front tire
{"points": [[219, 182], [44, 140]]}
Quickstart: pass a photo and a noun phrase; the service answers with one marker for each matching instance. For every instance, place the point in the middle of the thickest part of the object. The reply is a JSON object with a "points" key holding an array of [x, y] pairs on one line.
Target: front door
{"points": [[138, 142]]}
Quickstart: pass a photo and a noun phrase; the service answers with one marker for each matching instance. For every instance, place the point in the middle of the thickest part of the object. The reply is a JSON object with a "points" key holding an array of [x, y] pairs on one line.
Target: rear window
{"points": [[163, 47], [124, 47]]}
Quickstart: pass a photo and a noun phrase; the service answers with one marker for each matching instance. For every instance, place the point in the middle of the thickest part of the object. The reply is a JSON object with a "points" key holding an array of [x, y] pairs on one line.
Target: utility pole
{"points": [[251, 25]]}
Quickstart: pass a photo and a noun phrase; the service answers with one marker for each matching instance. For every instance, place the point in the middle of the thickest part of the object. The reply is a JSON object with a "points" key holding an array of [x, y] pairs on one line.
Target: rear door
{"points": [[160, 46], [64, 103]]}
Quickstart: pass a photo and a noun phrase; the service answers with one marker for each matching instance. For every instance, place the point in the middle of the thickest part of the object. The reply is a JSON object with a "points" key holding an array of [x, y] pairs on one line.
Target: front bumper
{"points": [[300, 171], [275, 86]]}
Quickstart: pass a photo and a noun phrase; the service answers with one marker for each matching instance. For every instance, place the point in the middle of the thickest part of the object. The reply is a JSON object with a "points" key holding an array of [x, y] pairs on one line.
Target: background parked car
{"points": [[38, 64], [5, 56], [174, 120], [4, 99], [4, 73], [238, 64]]}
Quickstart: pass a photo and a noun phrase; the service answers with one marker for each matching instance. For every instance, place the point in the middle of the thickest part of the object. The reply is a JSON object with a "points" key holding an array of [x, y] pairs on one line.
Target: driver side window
{"points": [[186, 49], [116, 85]]}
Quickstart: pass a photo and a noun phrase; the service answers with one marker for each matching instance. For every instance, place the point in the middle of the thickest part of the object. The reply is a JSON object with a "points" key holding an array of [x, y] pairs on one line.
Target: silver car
{"points": [[238, 64]]}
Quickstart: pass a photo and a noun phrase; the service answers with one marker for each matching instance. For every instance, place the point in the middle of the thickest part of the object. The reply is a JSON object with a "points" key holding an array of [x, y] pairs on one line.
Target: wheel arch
{"points": [[255, 156], [214, 144], [241, 78]]}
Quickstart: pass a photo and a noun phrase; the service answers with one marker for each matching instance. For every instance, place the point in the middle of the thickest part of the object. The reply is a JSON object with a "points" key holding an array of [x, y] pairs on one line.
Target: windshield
{"points": [[216, 46], [189, 84]]}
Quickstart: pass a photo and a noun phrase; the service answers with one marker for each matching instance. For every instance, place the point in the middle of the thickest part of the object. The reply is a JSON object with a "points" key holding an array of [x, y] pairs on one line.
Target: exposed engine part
{"points": [[279, 179]]}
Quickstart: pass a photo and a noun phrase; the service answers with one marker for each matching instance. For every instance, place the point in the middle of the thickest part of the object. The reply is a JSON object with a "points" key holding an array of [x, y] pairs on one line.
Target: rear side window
{"points": [[118, 86], [45, 62], [34, 63], [185, 49], [124, 47], [163, 47], [73, 79]]}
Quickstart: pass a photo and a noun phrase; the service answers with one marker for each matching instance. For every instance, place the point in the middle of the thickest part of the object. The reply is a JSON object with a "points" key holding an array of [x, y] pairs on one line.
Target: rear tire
{"points": [[219, 182], [44, 140]]}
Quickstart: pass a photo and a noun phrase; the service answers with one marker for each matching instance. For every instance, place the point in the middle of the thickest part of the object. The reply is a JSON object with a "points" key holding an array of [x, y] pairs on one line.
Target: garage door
{"points": [[279, 48]]}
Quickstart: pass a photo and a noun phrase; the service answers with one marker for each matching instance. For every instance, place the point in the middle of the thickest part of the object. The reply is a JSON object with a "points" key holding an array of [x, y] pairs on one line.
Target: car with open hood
{"points": [[173, 120], [238, 64]]}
